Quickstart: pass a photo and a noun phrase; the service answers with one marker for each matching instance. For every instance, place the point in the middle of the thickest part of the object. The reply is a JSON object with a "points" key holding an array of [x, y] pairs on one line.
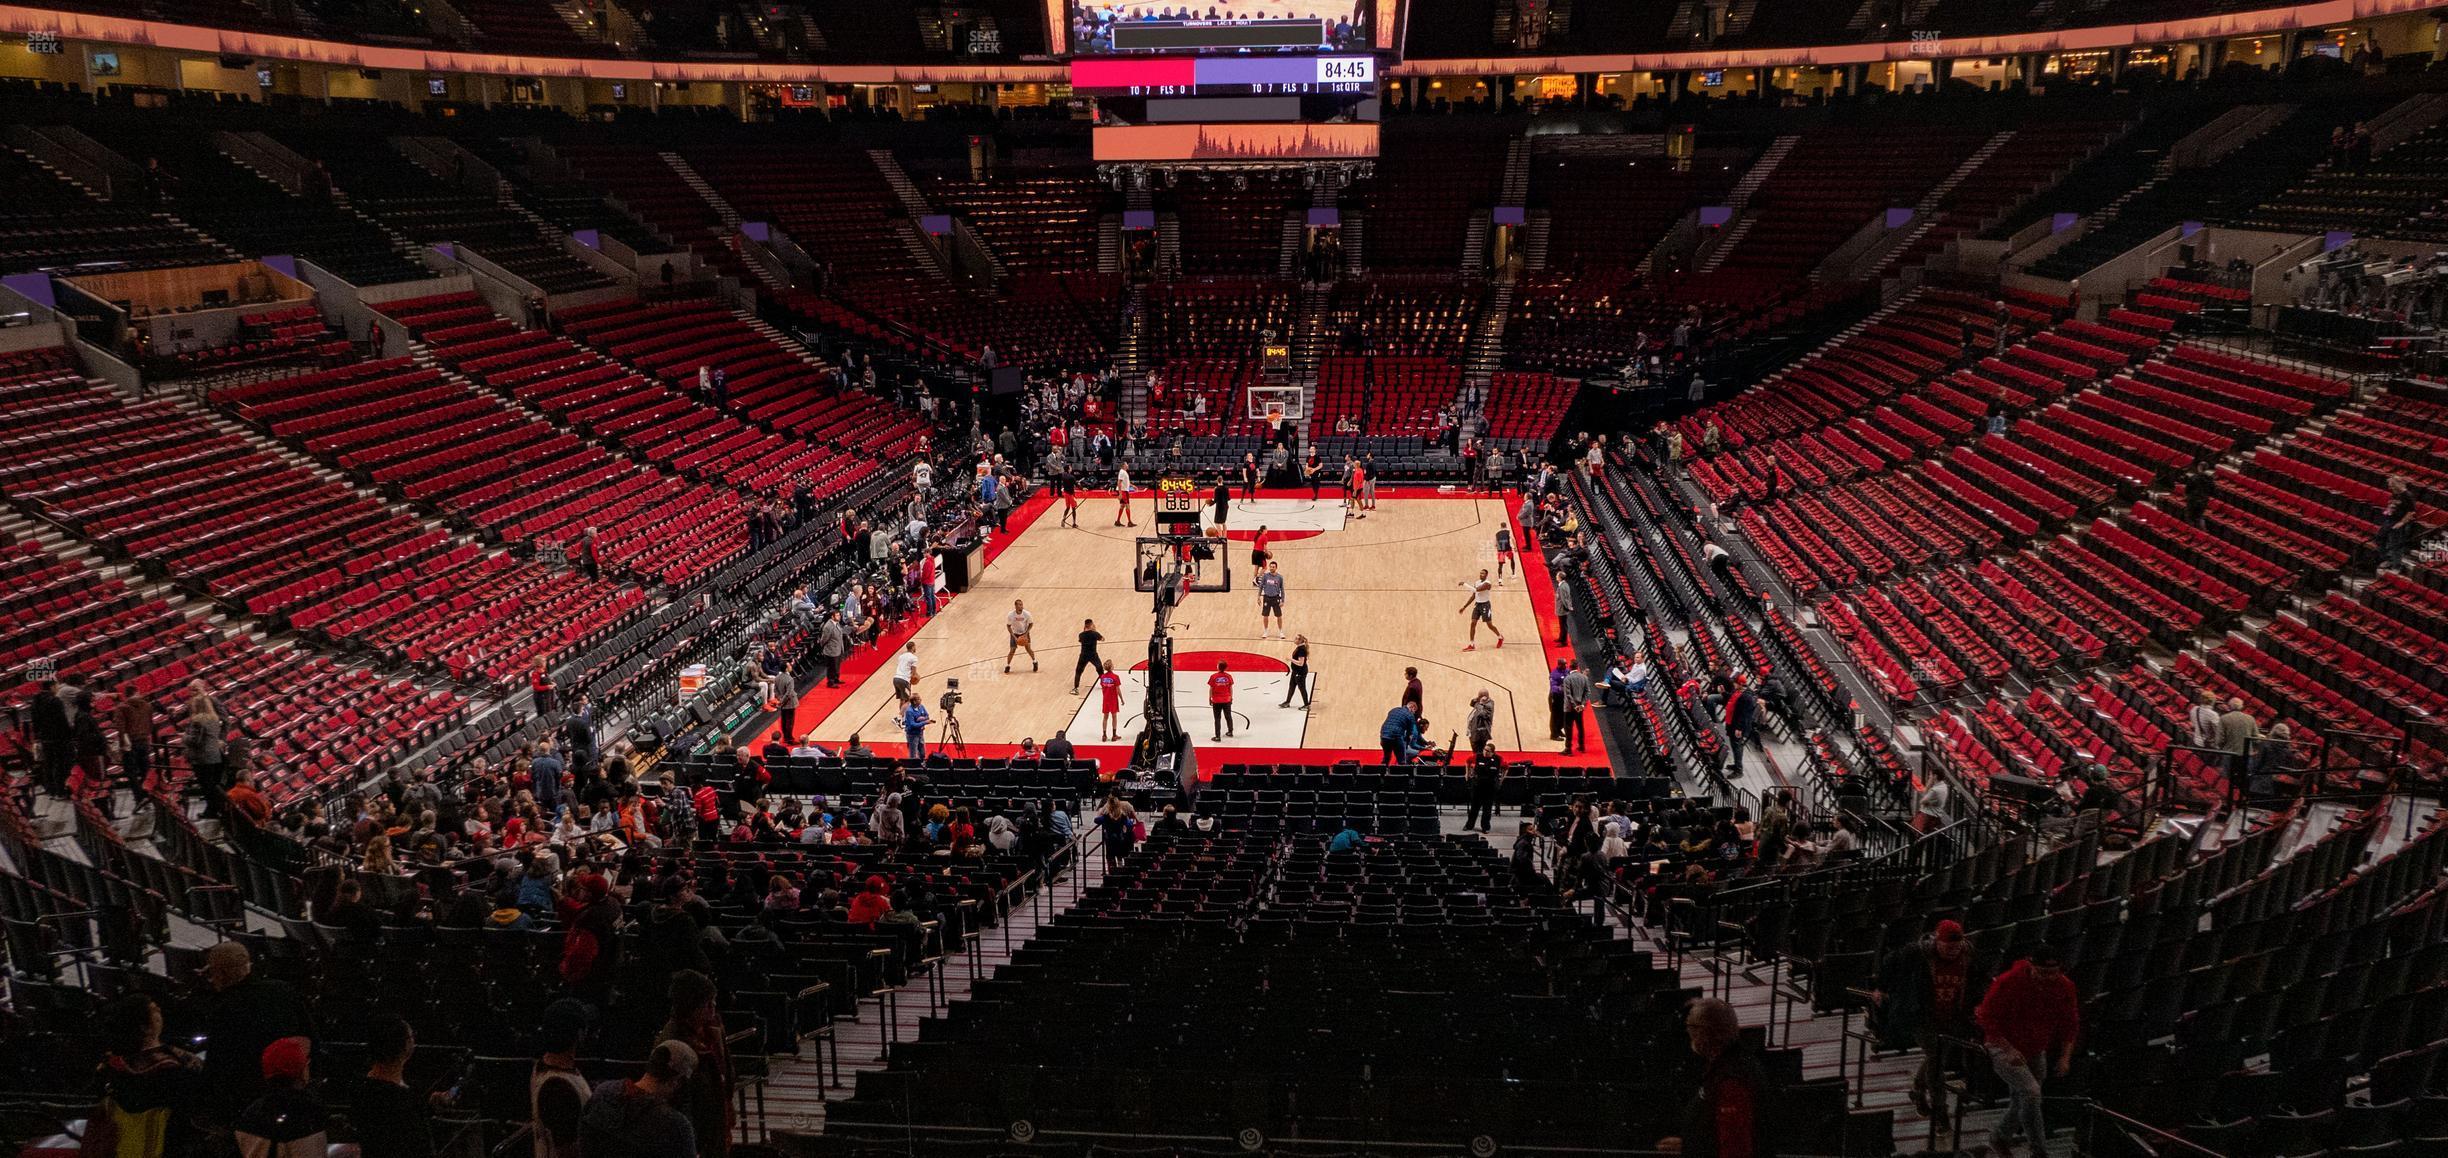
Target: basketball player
{"points": [[1019, 622], [1089, 637], [1354, 480], [1070, 515], [1482, 609], [1109, 689], [1122, 493], [905, 671], [1270, 600], [1258, 551], [1504, 552]]}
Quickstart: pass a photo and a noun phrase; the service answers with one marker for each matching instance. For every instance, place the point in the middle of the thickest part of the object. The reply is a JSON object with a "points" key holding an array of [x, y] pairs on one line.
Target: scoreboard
{"points": [[1184, 76], [1103, 27], [1177, 504], [1229, 85]]}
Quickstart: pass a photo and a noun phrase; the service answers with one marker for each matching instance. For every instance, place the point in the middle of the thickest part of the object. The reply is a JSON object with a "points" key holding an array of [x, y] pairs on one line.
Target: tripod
{"points": [[952, 735]]}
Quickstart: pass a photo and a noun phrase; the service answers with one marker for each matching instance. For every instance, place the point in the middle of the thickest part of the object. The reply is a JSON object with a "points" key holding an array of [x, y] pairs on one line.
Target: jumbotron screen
{"points": [[1212, 144], [1099, 27]]}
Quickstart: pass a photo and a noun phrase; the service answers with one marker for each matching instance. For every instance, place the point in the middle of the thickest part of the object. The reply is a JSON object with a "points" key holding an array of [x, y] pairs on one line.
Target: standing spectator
{"points": [[888, 821], [2397, 529], [540, 682], [1120, 824], [914, 721], [1925, 996], [1564, 612], [634, 1118], [1930, 805], [1741, 719], [2203, 721], [1220, 699], [54, 713], [578, 737], [557, 1092], [87, 748], [2273, 762], [1774, 831], [706, 803], [1721, 1120], [133, 718], [1487, 774], [546, 769], [286, 1121], [145, 1086], [207, 746], [785, 691], [591, 948], [706, 1097], [2030, 1021], [1480, 724], [1576, 689], [2237, 733], [1555, 699]]}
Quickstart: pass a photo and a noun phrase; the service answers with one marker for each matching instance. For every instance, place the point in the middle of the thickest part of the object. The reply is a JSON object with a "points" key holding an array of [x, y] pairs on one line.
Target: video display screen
{"points": [[1258, 144], [1163, 76], [1100, 27]]}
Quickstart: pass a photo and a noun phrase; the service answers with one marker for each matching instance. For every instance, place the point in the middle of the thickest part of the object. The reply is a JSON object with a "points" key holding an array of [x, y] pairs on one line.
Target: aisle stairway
{"points": [[799, 1087], [1761, 169]]}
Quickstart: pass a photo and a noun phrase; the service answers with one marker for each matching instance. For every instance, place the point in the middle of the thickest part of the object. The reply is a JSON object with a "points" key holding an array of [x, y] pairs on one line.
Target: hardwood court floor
{"points": [[1377, 595]]}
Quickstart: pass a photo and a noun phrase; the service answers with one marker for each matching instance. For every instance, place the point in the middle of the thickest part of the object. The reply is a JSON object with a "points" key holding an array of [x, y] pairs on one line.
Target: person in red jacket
{"points": [[2029, 1021], [1219, 700], [708, 805]]}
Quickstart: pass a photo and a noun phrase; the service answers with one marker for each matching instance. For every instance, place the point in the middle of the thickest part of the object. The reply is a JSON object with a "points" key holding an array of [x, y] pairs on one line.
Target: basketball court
{"points": [[1373, 595]]}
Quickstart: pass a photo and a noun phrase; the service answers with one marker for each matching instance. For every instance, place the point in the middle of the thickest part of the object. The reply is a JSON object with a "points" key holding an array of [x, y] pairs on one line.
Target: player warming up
{"points": [[1482, 609], [1270, 600], [1505, 559], [1018, 623], [1089, 660]]}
